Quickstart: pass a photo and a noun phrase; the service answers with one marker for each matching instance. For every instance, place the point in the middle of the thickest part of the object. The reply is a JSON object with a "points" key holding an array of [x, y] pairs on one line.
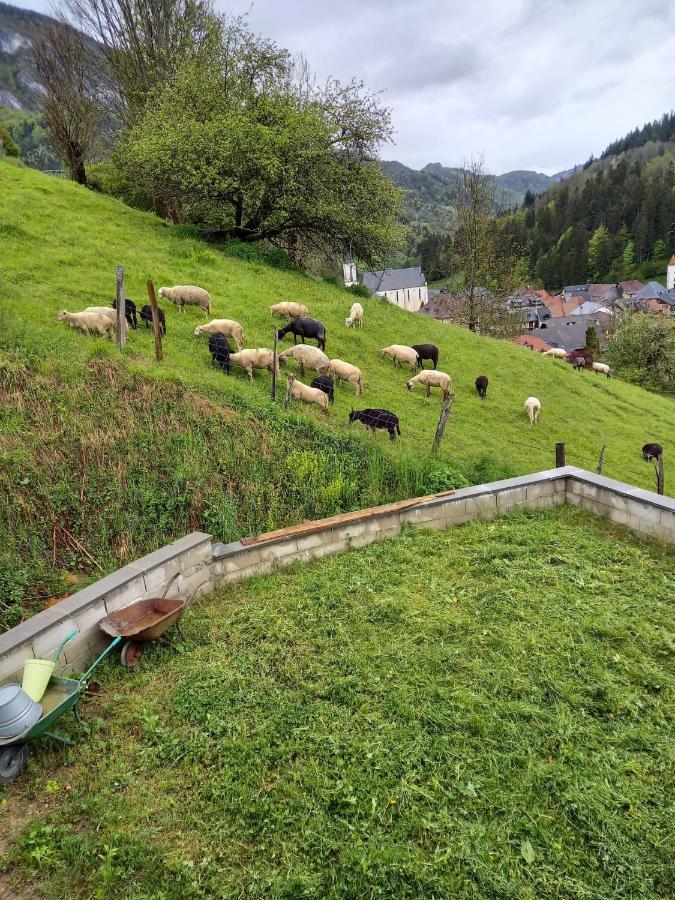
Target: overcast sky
{"points": [[531, 84]]}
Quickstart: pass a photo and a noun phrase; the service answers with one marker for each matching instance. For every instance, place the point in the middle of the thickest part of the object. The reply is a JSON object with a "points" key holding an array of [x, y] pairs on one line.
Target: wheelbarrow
{"points": [[143, 621], [61, 696]]}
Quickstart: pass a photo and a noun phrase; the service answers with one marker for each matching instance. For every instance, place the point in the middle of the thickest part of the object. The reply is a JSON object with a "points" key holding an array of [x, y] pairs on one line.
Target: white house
{"points": [[406, 288], [670, 281]]}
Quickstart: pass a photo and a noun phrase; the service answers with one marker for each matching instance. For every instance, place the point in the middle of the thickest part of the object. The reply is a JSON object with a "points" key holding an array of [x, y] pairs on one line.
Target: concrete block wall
{"points": [[644, 512], [198, 561], [40, 635], [240, 559]]}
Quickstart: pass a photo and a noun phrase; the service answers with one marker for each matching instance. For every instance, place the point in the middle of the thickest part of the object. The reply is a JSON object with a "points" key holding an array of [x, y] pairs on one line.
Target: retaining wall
{"points": [[198, 560]]}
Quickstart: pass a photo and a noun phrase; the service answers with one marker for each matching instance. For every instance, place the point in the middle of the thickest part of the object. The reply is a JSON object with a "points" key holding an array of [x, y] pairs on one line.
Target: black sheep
{"points": [[377, 418], [324, 383], [146, 316], [652, 451], [220, 350], [481, 386], [129, 311], [579, 362], [305, 328], [427, 351]]}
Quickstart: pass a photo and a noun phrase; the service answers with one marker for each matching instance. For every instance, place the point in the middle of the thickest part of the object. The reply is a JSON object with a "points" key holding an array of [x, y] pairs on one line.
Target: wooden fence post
{"points": [[121, 308], [442, 421], [559, 455], [660, 476], [287, 400], [274, 367], [601, 461], [159, 354]]}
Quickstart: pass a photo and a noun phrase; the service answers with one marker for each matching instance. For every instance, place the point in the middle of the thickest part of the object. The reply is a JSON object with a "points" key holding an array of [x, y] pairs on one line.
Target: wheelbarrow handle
{"points": [[83, 679]]}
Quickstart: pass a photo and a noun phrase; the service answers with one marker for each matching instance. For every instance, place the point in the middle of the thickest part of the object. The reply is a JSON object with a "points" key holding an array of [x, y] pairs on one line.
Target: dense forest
{"points": [[662, 130]]}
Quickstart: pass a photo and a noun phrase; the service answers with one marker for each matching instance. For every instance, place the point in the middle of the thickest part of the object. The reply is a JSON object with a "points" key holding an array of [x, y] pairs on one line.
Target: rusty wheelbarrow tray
{"points": [[143, 621]]}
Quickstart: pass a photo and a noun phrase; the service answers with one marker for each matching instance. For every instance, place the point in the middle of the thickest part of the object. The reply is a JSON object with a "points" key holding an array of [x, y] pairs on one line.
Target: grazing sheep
{"points": [[220, 351], [431, 378], [556, 353], [187, 295], [250, 359], [355, 316], [228, 327], [345, 371], [324, 383], [427, 351], [129, 311], [532, 408], [652, 451], [603, 368], [306, 394], [481, 386], [88, 321], [289, 309], [307, 357], [146, 316], [303, 327], [579, 362], [377, 418], [402, 354], [103, 311]]}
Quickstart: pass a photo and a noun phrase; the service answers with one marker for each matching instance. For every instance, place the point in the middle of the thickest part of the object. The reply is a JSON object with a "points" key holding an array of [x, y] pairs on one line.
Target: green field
{"points": [[60, 247], [105, 456], [494, 723]]}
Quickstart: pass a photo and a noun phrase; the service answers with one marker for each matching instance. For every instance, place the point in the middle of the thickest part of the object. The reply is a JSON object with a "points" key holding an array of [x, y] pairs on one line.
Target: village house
{"points": [[406, 288]]}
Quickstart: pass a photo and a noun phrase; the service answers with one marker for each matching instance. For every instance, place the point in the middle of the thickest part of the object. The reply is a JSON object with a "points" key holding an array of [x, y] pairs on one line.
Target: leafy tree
{"points": [[599, 253], [628, 264], [592, 341], [244, 143], [7, 145], [659, 249], [642, 350]]}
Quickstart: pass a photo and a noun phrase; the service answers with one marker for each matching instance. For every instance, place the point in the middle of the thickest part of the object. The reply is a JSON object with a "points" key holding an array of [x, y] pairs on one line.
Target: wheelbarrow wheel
{"points": [[12, 761], [131, 653]]}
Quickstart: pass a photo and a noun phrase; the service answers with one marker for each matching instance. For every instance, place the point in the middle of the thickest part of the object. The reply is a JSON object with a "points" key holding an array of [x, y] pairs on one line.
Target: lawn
{"points": [[61, 243], [494, 722]]}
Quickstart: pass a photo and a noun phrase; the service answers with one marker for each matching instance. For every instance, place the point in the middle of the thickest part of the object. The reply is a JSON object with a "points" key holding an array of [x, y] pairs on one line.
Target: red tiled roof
{"points": [[631, 287], [599, 290], [560, 307], [531, 342]]}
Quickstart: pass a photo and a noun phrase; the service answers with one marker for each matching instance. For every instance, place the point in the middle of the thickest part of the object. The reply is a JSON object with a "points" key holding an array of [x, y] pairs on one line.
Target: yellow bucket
{"points": [[36, 675]]}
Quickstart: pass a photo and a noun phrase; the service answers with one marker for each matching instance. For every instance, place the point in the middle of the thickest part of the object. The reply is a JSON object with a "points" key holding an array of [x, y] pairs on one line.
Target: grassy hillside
{"points": [[362, 727], [59, 247]]}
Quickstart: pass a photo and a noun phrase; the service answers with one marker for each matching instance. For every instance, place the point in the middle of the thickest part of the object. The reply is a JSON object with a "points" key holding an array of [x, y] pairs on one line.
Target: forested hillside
{"points": [[614, 221]]}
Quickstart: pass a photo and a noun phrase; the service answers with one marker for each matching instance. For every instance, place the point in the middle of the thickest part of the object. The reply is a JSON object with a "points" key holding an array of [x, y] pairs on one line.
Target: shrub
{"points": [[8, 144], [360, 290]]}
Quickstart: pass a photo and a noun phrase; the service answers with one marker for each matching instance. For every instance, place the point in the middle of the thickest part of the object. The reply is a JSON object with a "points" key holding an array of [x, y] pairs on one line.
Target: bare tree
{"points": [[485, 256], [142, 42], [70, 105]]}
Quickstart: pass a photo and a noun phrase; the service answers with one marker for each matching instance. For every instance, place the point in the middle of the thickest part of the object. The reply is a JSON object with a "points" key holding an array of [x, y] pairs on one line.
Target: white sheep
{"points": [[289, 309], [345, 371], [250, 359], [431, 378], [532, 408], [187, 295], [402, 354], [308, 358], [355, 316], [228, 327], [306, 394], [88, 322], [102, 311], [603, 368], [556, 353]]}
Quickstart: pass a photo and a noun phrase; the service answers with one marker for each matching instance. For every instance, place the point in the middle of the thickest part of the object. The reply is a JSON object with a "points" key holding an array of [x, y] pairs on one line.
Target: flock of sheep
{"points": [[320, 392]]}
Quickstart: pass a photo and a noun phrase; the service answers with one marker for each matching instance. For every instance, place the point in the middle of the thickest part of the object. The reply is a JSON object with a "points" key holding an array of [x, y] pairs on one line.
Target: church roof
{"points": [[394, 279], [671, 262]]}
